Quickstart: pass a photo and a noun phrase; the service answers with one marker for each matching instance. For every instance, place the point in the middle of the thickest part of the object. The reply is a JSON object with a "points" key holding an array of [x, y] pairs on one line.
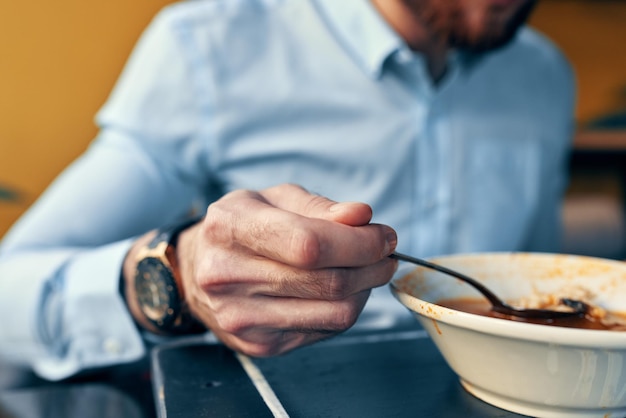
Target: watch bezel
{"points": [[167, 281]]}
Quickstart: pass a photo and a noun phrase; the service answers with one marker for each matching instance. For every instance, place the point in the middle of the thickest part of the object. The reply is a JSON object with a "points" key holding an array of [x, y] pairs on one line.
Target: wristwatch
{"points": [[158, 285]]}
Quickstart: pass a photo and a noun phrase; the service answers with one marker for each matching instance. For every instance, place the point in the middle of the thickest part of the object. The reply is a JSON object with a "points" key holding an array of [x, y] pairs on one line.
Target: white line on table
{"points": [[262, 386]]}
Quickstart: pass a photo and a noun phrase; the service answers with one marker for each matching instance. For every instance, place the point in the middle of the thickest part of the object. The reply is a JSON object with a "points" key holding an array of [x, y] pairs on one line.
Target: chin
{"points": [[484, 43], [494, 30]]}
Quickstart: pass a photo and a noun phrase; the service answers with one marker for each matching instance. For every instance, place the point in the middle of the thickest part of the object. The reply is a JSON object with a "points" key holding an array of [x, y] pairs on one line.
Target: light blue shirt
{"points": [[228, 94]]}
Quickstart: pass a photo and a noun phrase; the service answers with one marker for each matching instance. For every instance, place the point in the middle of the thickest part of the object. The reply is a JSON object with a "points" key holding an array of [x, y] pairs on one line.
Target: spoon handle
{"points": [[495, 301], [578, 308]]}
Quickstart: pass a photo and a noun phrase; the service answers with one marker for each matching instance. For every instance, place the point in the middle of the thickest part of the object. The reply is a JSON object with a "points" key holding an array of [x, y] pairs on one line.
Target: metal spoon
{"points": [[578, 308]]}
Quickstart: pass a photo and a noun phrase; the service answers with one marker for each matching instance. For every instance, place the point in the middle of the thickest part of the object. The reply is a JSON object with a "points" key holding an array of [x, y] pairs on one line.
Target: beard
{"points": [[472, 28]]}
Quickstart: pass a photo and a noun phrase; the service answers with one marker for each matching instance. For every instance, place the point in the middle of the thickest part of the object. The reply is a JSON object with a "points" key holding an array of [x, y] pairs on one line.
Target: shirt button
{"points": [[112, 346]]}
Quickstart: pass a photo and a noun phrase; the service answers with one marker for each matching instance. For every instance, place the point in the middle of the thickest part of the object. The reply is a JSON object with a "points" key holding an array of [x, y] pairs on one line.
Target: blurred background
{"points": [[591, 33], [60, 60]]}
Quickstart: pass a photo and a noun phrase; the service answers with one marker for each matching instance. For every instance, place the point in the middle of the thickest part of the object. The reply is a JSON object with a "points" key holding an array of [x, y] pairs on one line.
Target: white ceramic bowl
{"points": [[536, 370]]}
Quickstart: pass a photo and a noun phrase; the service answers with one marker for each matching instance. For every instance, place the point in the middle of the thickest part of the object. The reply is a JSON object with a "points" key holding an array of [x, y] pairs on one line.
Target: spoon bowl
{"points": [[576, 308]]}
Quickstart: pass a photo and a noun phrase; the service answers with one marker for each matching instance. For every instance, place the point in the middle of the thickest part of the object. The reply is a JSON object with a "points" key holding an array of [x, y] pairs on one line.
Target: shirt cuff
{"points": [[86, 323]]}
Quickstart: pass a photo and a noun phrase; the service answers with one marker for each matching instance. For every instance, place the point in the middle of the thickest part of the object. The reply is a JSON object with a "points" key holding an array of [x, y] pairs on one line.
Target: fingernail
{"points": [[390, 243]]}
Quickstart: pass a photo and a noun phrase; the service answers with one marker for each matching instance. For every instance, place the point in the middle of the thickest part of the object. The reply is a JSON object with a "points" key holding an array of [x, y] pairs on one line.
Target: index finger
{"points": [[294, 198], [246, 220]]}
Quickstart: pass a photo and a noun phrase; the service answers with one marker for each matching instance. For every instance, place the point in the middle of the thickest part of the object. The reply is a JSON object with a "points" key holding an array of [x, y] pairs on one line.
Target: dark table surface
{"points": [[393, 374], [120, 392], [397, 373]]}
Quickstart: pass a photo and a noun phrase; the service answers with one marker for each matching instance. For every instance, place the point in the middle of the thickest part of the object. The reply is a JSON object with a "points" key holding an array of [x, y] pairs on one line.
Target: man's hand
{"points": [[274, 270]]}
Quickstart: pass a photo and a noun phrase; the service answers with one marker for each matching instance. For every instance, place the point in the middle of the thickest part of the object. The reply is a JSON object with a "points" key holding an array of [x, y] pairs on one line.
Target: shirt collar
{"points": [[362, 31], [370, 40]]}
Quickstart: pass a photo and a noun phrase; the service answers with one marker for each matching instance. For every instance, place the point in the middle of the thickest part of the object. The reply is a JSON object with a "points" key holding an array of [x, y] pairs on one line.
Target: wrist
{"points": [[184, 259], [154, 289]]}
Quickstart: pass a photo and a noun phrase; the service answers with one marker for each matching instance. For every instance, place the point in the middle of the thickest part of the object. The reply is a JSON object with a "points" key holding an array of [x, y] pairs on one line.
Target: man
{"points": [[322, 135]]}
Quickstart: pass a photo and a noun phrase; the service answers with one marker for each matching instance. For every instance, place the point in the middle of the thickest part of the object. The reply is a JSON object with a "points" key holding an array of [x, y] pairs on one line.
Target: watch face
{"points": [[156, 291]]}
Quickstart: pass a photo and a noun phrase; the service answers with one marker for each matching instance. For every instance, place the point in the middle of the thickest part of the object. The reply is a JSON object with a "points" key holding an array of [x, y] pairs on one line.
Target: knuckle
{"points": [[317, 204], [232, 321], [350, 317], [291, 187], [269, 344], [223, 214], [305, 247], [216, 221], [337, 288], [345, 316], [260, 349], [210, 282], [283, 190]]}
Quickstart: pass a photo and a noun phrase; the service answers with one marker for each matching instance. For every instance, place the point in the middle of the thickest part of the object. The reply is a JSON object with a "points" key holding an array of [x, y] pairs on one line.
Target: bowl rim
{"points": [[548, 334]]}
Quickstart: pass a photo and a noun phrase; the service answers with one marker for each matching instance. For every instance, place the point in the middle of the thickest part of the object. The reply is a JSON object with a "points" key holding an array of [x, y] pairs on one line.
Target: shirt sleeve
{"points": [[60, 264]]}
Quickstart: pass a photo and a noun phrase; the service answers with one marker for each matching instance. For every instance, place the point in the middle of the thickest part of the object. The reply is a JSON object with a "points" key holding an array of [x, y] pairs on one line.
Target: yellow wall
{"points": [[59, 60], [592, 33]]}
